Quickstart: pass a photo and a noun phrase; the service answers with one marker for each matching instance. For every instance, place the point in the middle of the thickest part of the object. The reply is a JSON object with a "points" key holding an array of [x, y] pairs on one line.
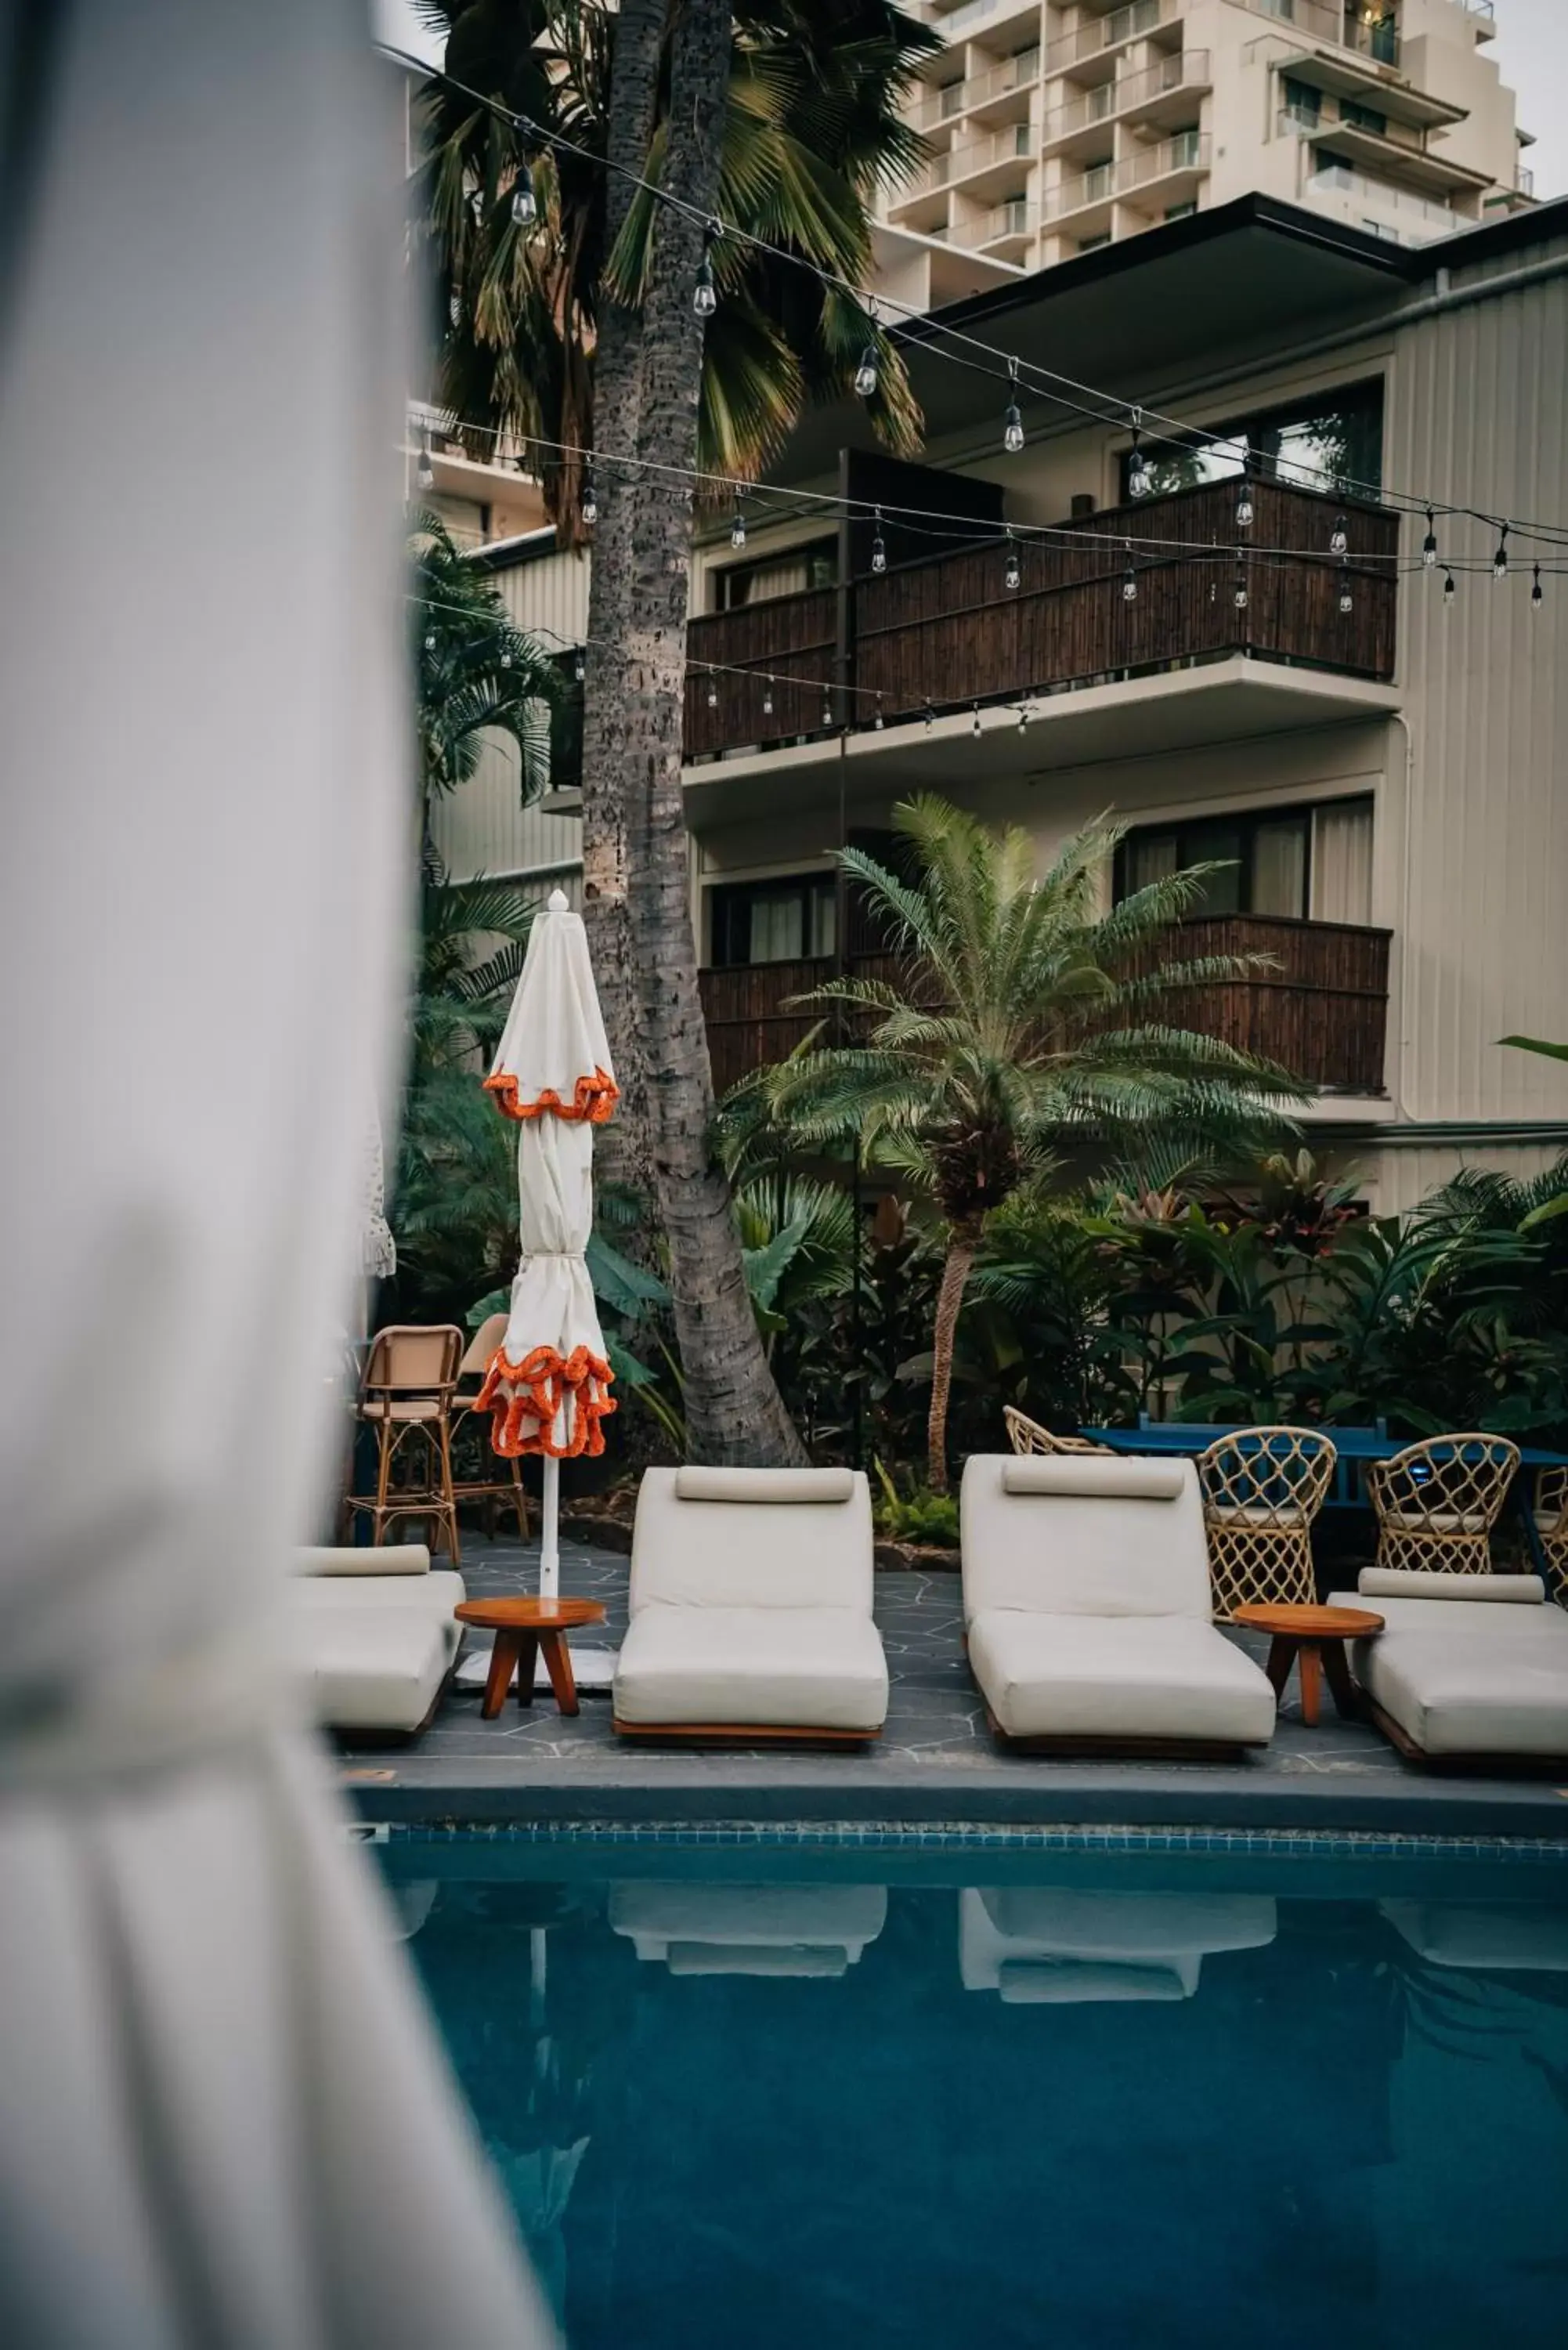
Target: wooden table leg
{"points": [[1310, 1664], [1282, 1656], [558, 1665], [1341, 1688], [503, 1657], [527, 1657]]}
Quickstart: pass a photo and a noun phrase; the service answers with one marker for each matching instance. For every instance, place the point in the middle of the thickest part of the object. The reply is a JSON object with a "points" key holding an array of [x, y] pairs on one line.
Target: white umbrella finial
{"points": [[555, 903]]}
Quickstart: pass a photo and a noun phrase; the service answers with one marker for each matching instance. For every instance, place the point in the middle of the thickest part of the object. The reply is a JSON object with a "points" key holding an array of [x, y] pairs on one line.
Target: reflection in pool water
{"points": [[1128, 2106]]}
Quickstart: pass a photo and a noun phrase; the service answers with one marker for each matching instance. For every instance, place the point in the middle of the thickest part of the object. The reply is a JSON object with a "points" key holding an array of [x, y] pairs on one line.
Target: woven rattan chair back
{"points": [[1027, 1435], [495, 1481], [405, 1394], [1552, 1526], [1262, 1489], [1436, 1503]]}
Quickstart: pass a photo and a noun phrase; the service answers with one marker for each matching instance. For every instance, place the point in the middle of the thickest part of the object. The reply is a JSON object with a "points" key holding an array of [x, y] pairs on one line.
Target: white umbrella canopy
{"points": [[548, 1387], [225, 2123]]}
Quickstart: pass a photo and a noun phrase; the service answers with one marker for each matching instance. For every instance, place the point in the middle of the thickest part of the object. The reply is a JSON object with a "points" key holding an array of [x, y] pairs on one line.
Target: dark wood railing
{"points": [[950, 632], [1321, 1011]]}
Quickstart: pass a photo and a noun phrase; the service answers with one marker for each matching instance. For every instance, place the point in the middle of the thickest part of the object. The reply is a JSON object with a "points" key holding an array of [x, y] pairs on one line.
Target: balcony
{"points": [[1106, 34], [1186, 156], [1421, 218], [1342, 26], [1010, 224], [1322, 1012], [1135, 98], [971, 157], [944, 634], [1010, 79]]}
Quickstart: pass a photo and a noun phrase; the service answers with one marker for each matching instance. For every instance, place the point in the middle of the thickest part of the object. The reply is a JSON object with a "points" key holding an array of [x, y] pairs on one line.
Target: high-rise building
{"points": [[1061, 128]]}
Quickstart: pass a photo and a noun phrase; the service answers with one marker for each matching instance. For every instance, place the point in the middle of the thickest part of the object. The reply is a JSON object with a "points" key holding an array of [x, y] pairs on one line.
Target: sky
{"points": [[1531, 52]]}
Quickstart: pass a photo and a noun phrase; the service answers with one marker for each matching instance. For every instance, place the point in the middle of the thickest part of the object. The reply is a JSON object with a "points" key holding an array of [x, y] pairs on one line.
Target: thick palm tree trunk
{"points": [[949, 1297], [622, 1150], [734, 1411]]}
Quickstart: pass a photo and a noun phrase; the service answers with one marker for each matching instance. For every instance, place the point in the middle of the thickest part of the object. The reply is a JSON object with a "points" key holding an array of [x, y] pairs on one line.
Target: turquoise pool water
{"points": [[851, 2099]]}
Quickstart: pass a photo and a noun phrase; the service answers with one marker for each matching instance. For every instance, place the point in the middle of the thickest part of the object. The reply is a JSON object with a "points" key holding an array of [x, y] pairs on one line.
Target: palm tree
{"points": [[1026, 1019], [475, 673]]}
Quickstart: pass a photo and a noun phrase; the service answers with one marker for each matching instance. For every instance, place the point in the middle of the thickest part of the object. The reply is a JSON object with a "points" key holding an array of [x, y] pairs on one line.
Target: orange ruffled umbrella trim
{"points": [[538, 1386], [593, 1098]]}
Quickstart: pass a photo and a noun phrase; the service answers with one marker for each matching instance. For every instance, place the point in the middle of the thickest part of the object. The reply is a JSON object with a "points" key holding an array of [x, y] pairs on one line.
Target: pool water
{"points": [[761, 2098]]}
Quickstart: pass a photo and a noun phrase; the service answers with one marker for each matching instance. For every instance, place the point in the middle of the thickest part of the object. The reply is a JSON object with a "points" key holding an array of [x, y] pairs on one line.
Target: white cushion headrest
{"points": [[389, 1558], [789, 1485], [1427, 1583], [1113, 1478]]}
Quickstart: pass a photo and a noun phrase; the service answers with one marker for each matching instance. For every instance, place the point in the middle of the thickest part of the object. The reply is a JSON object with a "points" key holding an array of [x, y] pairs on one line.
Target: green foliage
{"points": [[475, 673], [814, 129], [918, 1515]]}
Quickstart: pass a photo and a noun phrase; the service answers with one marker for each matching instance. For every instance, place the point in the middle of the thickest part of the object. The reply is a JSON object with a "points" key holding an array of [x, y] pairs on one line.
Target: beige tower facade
{"points": [[1060, 128]]}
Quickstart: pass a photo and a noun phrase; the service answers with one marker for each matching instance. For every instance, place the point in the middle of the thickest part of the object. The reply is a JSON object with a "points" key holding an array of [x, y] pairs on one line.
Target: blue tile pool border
{"points": [[961, 1836]]}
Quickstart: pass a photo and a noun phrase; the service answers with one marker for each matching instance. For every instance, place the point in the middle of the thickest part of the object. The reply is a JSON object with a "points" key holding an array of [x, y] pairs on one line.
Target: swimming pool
{"points": [[783, 2096]]}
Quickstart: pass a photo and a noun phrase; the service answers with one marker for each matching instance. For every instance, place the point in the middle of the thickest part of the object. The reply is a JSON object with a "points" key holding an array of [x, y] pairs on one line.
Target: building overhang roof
{"points": [[1370, 85]]}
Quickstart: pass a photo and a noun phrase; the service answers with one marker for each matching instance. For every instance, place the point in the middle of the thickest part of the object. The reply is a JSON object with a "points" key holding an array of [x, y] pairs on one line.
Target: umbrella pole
{"points": [[549, 1533]]}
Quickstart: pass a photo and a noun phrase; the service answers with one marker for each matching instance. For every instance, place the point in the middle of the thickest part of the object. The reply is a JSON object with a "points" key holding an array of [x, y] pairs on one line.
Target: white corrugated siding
{"points": [[1476, 411]]}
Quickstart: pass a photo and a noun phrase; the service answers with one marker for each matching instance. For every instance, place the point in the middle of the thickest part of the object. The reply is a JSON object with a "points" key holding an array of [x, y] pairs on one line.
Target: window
{"points": [[786, 920], [1302, 103], [1363, 118], [566, 725], [1093, 244], [1313, 863], [1180, 212], [790, 572], [1317, 445]]}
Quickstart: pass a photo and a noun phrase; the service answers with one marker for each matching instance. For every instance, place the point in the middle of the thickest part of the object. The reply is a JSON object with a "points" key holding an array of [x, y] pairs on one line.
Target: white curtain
{"points": [[1342, 862], [224, 2123]]}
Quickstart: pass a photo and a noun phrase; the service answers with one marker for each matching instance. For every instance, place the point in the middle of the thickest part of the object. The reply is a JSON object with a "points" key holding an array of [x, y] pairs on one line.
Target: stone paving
{"points": [[936, 1759]]}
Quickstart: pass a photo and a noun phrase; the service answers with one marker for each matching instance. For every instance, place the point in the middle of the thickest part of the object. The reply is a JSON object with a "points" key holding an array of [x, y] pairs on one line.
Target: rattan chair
{"points": [[405, 1396], [1027, 1435], [1436, 1503], [1263, 1487], [504, 1487], [1552, 1526]]}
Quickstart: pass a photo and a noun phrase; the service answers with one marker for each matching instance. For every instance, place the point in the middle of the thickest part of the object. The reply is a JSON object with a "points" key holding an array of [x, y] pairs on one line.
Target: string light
{"points": [[866, 373], [879, 546], [1500, 560], [424, 472], [1537, 595], [1013, 574], [1244, 505], [1339, 538], [1449, 590], [1240, 598], [877, 722], [1346, 598], [713, 691], [506, 656], [930, 717], [1013, 423], [738, 527], [975, 728], [1129, 580], [590, 506], [580, 668], [524, 203], [1429, 543], [431, 642], [1138, 465], [1023, 714], [827, 707], [704, 294]]}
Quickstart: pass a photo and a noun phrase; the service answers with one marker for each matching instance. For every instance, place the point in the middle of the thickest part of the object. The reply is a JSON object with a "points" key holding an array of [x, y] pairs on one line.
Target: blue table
{"points": [[1354, 1446]]}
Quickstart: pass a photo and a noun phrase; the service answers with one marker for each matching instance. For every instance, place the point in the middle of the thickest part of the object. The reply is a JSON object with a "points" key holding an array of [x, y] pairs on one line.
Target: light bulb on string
{"points": [[866, 373], [431, 642], [1429, 543], [975, 727], [506, 656], [580, 668], [878, 721], [1138, 465], [1239, 595], [1013, 574], [768, 699], [1339, 537], [1346, 596], [524, 202], [1500, 560], [879, 544], [1129, 578], [1537, 593], [930, 717], [704, 294], [424, 472], [738, 527], [713, 691], [1013, 422], [1449, 590], [1244, 505], [827, 707], [590, 506]]}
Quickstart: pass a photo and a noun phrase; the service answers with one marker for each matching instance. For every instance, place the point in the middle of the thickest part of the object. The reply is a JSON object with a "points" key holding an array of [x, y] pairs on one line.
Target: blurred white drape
{"points": [[224, 2119]]}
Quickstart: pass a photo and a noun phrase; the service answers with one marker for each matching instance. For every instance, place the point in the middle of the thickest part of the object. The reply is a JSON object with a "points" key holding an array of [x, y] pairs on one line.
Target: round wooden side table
{"points": [[524, 1629], [1315, 1638]]}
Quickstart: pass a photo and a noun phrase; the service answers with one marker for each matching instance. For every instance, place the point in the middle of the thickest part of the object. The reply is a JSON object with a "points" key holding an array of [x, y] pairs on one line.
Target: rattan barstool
{"points": [[1262, 1489], [1436, 1503], [1027, 1435], [405, 1395]]}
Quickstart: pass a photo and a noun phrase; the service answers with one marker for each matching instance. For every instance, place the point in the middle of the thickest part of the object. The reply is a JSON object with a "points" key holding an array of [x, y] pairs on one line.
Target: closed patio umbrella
{"points": [[225, 2120], [548, 1387]]}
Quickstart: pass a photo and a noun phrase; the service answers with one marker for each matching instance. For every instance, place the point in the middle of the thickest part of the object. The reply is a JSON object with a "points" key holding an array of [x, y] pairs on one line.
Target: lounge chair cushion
{"points": [[743, 1553], [1464, 1676], [1483, 1935], [1433, 1582], [383, 1558], [749, 1929], [374, 1649], [1093, 1548], [792, 1487], [781, 1667], [1118, 1676], [1104, 1479], [1052, 1944]]}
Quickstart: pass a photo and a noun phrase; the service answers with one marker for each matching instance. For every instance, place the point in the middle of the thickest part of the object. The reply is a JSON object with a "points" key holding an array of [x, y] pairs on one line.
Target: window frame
{"points": [[727, 898], [1250, 820], [1254, 424]]}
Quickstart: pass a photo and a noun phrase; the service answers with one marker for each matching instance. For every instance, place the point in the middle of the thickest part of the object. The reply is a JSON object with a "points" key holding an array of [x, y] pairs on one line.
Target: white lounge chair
{"points": [[1484, 1937], [372, 1632], [1469, 1669], [750, 1930], [1087, 1605], [751, 1608], [1059, 1946]]}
